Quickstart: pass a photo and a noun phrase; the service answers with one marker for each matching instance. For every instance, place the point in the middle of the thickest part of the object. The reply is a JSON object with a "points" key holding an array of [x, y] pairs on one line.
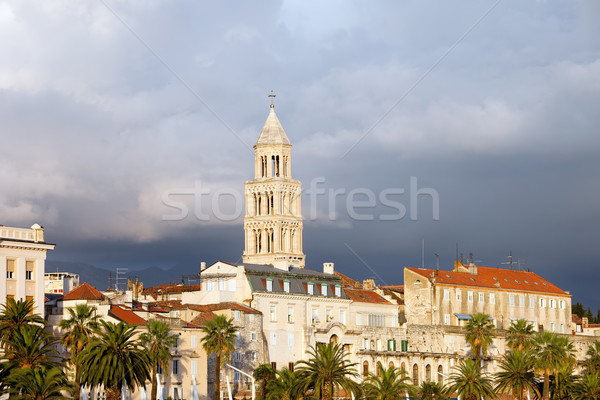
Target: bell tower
{"points": [[273, 220]]}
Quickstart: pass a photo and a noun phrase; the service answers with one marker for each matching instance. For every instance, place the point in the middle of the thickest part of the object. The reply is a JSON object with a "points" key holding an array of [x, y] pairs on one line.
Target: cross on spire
{"points": [[272, 96]]}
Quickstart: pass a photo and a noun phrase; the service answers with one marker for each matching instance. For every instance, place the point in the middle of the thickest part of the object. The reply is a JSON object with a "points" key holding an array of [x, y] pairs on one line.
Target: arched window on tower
{"points": [[365, 368], [258, 204], [415, 375], [258, 242], [271, 204], [428, 373], [440, 377]]}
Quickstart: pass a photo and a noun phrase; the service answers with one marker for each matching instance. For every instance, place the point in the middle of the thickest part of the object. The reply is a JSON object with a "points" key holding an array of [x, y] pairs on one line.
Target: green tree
{"points": [[563, 382], [588, 388], [519, 335], [113, 358], [326, 371], [592, 363], [549, 352], [263, 374], [157, 341], [39, 384], [470, 383], [516, 375], [219, 338], [387, 384], [29, 346], [479, 334], [284, 386], [433, 391], [79, 328], [16, 313]]}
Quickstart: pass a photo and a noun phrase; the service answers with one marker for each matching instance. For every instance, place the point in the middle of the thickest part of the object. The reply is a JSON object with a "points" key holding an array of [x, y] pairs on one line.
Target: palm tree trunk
{"points": [[217, 376], [154, 383], [113, 393], [546, 395], [326, 393], [77, 383]]}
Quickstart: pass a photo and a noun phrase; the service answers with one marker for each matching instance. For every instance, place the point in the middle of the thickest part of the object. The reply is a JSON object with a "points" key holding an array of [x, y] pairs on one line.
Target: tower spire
{"points": [[273, 220]]}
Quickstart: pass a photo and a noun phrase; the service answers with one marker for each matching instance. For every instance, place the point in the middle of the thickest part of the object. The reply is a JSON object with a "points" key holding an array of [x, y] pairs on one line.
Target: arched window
{"points": [[334, 339], [403, 367], [365, 368], [428, 373], [416, 375], [440, 377], [379, 368], [391, 364]]}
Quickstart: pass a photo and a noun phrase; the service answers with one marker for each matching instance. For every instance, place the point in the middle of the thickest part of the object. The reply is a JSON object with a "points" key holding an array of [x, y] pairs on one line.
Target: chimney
{"points": [[282, 264], [368, 284], [328, 268], [202, 266]]}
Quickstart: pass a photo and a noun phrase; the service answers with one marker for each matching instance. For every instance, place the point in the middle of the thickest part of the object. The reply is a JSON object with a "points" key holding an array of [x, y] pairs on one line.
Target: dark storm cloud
{"points": [[97, 132]]}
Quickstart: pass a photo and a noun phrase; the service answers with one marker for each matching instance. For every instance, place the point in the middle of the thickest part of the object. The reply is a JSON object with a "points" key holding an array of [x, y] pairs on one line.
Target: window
{"points": [[310, 288], [521, 301], [232, 285], [177, 392], [552, 327], [328, 316], [237, 356], [10, 269], [481, 297], [29, 275], [315, 316], [273, 338], [470, 296], [175, 314], [291, 366], [376, 320], [253, 337], [531, 302], [194, 367], [237, 376], [552, 303], [254, 356], [210, 285], [324, 289], [343, 317], [562, 328], [237, 315], [365, 344], [542, 303], [290, 339], [221, 284], [29, 270], [446, 319], [269, 285], [286, 286], [338, 291], [446, 294], [175, 367], [492, 298], [273, 312], [194, 341], [290, 314], [458, 295], [251, 317], [358, 319], [511, 300]]}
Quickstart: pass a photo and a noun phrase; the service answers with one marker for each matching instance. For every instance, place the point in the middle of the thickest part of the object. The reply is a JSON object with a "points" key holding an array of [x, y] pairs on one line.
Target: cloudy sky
{"points": [[127, 130]]}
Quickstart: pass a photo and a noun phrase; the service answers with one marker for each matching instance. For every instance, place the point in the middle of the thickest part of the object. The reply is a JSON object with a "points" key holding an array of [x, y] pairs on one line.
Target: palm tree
{"points": [[39, 384], [327, 370], [284, 387], [158, 341], [470, 383], [479, 334], [79, 328], [592, 363], [29, 346], [386, 385], [433, 391], [219, 338], [549, 352], [16, 313], [263, 374], [588, 388], [114, 359], [563, 382], [519, 335], [517, 374]]}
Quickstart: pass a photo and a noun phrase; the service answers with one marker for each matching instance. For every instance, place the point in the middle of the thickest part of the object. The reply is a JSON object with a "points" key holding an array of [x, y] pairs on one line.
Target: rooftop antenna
{"points": [[119, 277], [510, 261], [423, 254], [456, 259], [437, 261]]}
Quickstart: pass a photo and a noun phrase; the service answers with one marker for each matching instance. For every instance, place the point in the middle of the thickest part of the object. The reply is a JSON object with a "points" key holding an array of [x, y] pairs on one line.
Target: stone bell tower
{"points": [[273, 221]]}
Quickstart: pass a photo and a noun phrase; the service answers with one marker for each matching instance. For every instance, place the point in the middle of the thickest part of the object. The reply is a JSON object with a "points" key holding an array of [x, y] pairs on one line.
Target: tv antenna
{"points": [[510, 261], [119, 277]]}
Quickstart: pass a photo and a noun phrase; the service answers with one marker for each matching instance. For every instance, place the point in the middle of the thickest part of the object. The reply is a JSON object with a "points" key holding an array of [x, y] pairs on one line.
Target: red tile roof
{"points": [[85, 291], [124, 315], [365, 296], [495, 278], [170, 288], [347, 282]]}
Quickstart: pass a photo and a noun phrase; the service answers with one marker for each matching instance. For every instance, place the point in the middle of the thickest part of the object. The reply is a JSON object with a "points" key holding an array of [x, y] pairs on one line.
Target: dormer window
{"points": [[269, 285], [286, 286], [324, 289], [310, 288], [338, 291]]}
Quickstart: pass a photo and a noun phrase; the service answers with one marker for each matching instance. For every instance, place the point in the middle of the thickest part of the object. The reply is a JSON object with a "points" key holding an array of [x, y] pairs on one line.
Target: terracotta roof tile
{"points": [[126, 316], [347, 282], [495, 278], [365, 296], [85, 291]]}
